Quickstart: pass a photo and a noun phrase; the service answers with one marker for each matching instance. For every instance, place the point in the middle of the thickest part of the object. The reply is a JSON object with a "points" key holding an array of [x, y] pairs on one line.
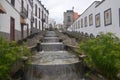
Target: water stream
{"points": [[53, 62]]}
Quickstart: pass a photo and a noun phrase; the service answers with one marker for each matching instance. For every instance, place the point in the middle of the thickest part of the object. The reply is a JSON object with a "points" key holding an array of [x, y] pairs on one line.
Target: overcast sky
{"points": [[58, 7]]}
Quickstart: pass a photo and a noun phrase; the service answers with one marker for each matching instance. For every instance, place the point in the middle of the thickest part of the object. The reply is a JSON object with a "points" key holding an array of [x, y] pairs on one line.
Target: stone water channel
{"points": [[54, 62]]}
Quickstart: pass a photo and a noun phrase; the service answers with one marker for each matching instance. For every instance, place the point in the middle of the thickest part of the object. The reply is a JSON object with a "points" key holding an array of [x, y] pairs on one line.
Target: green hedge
{"points": [[9, 54], [103, 54]]}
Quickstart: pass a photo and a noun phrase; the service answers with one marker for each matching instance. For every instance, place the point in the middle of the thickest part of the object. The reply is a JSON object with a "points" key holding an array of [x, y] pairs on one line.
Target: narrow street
{"points": [[54, 62]]}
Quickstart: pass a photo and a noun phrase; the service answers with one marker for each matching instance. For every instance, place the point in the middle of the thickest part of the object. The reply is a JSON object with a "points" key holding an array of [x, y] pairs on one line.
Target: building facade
{"points": [[19, 18], [45, 18], [40, 15], [101, 16], [10, 24], [68, 18]]}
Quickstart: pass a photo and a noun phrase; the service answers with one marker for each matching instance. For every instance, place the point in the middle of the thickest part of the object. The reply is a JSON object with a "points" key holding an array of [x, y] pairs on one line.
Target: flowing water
{"points": [[53, 62]]}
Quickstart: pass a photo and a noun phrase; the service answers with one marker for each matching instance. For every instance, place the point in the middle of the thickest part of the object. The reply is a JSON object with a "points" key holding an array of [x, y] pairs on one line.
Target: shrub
{"points": [[9, 54], [103, 54]]}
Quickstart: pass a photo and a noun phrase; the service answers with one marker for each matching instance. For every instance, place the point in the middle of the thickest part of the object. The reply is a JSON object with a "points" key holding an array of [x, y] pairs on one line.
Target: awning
{"points": [[2, 10], [22, 21]]}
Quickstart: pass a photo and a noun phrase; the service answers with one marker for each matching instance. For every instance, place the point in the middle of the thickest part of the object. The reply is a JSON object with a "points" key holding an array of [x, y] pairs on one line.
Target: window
{"points": [[97, 20], [13, 2], [27, 9], [36, 22], [22, 5], [39, 25], [81, 23], [78, 23], [35, 9], [119, 16], [69, 20], [39, 12], [90, 19], [45, 17], [107, 17], [85, 21]]}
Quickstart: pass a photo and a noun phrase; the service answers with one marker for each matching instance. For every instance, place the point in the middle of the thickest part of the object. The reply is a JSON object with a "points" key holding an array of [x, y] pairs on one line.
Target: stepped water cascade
{"points": [[54, 62]]}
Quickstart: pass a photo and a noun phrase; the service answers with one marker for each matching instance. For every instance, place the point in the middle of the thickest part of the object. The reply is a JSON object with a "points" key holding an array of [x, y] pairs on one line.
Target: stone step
{"points": [[52, 46], [51, 39], [54, 72]]}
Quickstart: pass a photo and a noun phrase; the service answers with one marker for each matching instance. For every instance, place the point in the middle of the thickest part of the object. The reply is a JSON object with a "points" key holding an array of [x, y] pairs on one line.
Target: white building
{"points": [[26, 17], [101, 16], [40, 15], [14, 24], [45, 18], [16, 18]]}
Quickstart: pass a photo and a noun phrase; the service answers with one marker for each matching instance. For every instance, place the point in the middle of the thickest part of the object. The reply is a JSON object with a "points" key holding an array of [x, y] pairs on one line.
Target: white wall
{"points": [[39, 5], [14, 11], [107, 4], [5, 18]]}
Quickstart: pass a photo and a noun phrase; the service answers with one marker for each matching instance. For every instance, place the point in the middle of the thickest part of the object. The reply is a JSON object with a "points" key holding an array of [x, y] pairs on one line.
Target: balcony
{"points": [[2, 10], [24, 13]]}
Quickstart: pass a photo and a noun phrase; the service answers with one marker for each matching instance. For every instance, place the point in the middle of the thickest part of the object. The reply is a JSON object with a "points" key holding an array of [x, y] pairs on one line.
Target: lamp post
{"points": [[81, 58]]}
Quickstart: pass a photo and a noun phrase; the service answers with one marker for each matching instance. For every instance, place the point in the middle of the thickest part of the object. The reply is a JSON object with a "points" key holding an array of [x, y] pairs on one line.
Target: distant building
{"points": [[59, 27], [52, 23], [69, 17], [100, 16], [76, 16]]}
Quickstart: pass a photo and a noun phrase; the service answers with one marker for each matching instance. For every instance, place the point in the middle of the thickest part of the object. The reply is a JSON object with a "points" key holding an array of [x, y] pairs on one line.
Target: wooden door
{"points": [[12, 29], [27, 29]]}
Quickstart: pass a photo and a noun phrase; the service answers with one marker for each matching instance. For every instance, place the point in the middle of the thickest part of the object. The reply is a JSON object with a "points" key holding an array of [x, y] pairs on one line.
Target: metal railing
{"points": [[24, 12]]}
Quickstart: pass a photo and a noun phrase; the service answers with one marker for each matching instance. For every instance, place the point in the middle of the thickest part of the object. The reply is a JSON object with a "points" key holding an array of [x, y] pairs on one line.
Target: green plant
{"points": [[103, 54], [9, 54]]}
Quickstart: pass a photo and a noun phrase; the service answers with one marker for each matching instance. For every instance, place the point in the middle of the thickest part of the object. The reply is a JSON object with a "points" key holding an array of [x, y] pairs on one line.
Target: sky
{"points": [[58, 7]]}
